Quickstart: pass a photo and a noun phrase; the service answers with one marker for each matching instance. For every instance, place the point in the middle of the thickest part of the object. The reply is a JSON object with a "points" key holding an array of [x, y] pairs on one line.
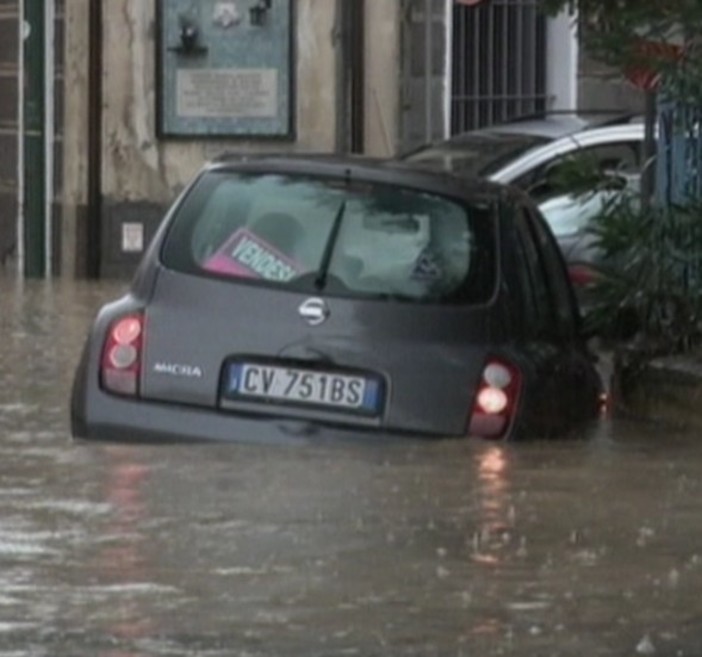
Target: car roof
{"points": [[505, 151], [543, 127], [383, 170], [554, 125]]}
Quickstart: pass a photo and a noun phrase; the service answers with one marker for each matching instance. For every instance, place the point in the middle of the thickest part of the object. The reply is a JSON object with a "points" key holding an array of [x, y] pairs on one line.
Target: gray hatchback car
{"points": [[299, 298]]}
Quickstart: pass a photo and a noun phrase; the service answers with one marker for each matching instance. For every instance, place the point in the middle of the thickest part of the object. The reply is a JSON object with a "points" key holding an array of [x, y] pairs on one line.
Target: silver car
{"points": [[528, 152]]}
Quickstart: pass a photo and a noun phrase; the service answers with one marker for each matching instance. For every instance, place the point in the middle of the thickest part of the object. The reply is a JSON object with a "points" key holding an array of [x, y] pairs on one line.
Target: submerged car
{"points": [[288, 297]]}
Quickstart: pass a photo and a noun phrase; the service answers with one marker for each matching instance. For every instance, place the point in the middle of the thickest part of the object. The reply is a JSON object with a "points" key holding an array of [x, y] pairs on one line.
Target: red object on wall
{"points": [[469, 3], [642, 75]]}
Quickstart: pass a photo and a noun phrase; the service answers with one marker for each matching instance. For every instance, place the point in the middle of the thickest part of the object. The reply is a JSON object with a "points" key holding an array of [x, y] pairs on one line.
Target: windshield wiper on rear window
{"points": [[320, 281]]}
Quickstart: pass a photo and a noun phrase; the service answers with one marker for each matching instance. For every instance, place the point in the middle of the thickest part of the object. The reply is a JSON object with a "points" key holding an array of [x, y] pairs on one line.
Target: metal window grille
{"points": [[9, 130], [499, 62]]}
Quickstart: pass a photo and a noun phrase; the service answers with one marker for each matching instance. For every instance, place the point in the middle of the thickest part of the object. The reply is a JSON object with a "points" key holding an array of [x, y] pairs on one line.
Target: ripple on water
{"points": [[21, 549]]}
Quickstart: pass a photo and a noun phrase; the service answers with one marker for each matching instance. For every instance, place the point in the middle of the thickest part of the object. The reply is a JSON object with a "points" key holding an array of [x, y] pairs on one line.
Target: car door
{"points": [[575, 366], [546, 395]]}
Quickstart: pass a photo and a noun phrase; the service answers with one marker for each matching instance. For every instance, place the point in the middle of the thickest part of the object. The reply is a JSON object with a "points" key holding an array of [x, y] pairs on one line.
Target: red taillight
{"points": [[496, 399], [581, 275], [121, 356]]}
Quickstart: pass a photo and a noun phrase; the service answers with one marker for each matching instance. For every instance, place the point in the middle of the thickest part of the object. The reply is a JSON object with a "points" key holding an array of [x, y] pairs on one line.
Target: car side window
{"points": [[539, 306], [618, 157], [556, 274]]}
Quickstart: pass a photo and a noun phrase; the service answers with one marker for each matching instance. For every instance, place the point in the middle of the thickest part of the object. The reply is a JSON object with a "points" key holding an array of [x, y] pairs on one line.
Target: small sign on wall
{"points": [[132, 237], [227, 93], [224, 68]]}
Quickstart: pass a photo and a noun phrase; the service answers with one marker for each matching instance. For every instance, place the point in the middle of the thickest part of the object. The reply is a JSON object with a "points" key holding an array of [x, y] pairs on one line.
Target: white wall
{"points": [[562, 62]]}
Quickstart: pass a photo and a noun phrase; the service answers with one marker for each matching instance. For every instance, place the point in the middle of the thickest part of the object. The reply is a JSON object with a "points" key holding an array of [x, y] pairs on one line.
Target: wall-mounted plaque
{"points": [[225, 68]]}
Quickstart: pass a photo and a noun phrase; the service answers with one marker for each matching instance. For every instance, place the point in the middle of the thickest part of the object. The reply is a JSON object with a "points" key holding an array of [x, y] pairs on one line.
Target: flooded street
{"points": [[588, 546]]}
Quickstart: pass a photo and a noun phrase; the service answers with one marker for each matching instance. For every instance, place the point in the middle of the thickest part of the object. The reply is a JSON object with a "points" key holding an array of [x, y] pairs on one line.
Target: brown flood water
{"points": [[587, 546]]}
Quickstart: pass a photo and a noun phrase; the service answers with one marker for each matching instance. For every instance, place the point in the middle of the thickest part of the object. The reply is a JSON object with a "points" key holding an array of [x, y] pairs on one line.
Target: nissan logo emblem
{"points": [[314, 311]]}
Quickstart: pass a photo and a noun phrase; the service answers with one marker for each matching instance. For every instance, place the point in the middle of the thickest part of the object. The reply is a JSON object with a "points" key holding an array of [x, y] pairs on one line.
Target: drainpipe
{"points": [[357, 54], [428, 71], [20, 140], [34, 229], [94, 200], [340, 40], [350, 75], [49, 132]]}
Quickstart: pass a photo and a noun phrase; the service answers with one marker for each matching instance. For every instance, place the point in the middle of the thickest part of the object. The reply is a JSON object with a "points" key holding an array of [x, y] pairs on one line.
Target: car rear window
{"points": [[478, 154], [346, 238]]}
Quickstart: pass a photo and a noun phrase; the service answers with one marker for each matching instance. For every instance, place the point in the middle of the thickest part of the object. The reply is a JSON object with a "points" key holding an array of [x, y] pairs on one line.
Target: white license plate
{"points": [[269, 382]]}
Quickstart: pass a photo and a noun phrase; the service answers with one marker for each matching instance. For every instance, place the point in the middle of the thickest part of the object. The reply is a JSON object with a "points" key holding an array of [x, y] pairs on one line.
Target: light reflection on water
{"points": [[567, 547]]}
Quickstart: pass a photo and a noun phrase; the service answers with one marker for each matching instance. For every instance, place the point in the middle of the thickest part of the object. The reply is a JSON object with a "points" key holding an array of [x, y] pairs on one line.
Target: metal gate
{"points": [[498, 62], [9, 106], [466, 66], [30, 135]]}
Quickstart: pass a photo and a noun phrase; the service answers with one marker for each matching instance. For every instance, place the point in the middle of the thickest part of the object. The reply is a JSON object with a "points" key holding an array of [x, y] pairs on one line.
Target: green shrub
{"points": [[650, 283]]}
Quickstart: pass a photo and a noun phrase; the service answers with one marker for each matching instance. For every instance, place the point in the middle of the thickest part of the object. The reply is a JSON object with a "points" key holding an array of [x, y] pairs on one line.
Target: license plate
{"points": [[285, 384]]}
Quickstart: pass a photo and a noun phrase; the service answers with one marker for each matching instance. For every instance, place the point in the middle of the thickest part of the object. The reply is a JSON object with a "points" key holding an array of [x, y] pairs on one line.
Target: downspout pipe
{"points": [[341, 42], [49, 133], [20, 139], [93, 229], [350, 75], [357, 47], [33, 132]]}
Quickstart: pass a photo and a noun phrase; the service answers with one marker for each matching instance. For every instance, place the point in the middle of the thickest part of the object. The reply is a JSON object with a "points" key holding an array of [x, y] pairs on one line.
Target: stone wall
{"points": [[141, 173], [600, 87], [382, 77]]}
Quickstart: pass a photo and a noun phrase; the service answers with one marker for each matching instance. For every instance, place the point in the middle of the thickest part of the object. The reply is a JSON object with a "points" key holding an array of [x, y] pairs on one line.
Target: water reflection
{"points": [[123, 563], [496, 515]]}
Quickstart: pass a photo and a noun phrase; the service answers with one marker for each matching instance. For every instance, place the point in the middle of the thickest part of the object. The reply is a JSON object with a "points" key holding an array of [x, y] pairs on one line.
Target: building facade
{"points": [[31, 135], [149, 144], [145, 92]]}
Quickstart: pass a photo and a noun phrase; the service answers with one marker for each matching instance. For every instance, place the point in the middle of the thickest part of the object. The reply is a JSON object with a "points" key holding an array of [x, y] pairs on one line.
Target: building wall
{"points": [[600, 87], [138, 166], [382, 76], [141, 173], [75, 160]]}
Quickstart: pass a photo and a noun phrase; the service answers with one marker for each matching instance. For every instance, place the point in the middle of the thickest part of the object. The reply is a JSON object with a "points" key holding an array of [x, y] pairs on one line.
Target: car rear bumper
{"points": [[116, 419]]}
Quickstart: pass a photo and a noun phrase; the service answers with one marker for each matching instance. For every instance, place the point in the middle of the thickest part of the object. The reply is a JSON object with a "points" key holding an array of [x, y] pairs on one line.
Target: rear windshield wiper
{"points": [[320, 281]]}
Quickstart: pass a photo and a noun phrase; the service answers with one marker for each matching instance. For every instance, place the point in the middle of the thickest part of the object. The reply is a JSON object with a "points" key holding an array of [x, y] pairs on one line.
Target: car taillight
{"points": [[496, 399], [121, 356], [581, 275]]}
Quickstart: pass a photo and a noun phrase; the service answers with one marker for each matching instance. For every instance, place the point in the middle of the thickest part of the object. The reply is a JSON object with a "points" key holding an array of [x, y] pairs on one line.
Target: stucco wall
{"points": [[600, 87], [141, 173], [75, 161], [382, 81], [137, 166]]}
